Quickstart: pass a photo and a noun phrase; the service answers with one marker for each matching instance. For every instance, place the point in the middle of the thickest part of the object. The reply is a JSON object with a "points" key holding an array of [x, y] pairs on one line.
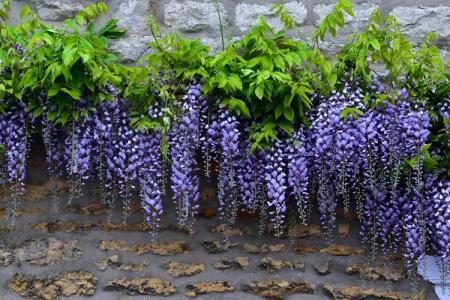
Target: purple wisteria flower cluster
{"points": [[184, 142], [359, 152], [14, 138], [276, 183], [150, 178], [227, 189]]}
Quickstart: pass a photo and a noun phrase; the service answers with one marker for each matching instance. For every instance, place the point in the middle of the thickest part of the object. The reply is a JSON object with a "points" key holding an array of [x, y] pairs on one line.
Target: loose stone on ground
{"points": [[263, 248], [45, 252], [201, 288], [215, 247], [239, 231], [356, 292], [180, 269], [158, 248], [114, 262], [376, 272], [142, 286], [79, 283], [341, 250], [271, 265], [237, 263], [278, 288]]}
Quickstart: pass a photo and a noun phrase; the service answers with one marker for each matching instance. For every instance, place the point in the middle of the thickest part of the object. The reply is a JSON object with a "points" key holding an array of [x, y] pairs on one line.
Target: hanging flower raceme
{"points": [[126, 161], [150, 178], [298, 174], [184, 140], [78, 151], [116, 151], [276, 184], [211, 142], [250, 178], [228, 166], [414, 234], [14, 140], [441, 199], [335, 152]]}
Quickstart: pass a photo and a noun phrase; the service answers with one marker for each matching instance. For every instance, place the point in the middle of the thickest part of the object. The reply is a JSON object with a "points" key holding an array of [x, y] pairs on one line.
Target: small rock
{"points": [[94, 209], [278, 289], [341, 250], [58, 225], [356, 292], [238, 263], [143, 227], [304, 249], [323, 268], [158, 248], [239, 231], [113, 261], [79, 283], [113, 245], [264, 248], [343, 230], [207, 212], [301, 231], [179, 269], [269, 264], [374, 273], [214, 247], [201, 288], [176, 228], [133, 267], [48, 252], [109, 261], [142, 286]]}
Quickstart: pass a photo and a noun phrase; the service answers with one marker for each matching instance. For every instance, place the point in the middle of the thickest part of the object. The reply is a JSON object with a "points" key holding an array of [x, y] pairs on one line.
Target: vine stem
{"points": [[217, 5]]}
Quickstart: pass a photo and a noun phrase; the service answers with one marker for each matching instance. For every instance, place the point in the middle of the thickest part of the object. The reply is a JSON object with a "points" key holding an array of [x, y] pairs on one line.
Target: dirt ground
{"points": [[45, 244]]}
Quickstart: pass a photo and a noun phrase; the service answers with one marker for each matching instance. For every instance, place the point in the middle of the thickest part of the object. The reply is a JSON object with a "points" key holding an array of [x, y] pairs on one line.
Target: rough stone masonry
{"points": [[198, 18]]}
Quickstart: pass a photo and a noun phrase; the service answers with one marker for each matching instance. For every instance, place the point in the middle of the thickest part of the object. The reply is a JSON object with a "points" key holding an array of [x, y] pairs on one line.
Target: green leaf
{"points": [[29, 78], [237, 105], [68, 56], [53, 91], [75, 94], [25, 12], [287, 127], [259, 91], [375, 44], [289, 114]]}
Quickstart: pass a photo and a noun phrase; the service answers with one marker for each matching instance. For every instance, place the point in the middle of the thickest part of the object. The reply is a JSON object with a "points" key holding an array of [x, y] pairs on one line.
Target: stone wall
{"points": [[197, 18]]}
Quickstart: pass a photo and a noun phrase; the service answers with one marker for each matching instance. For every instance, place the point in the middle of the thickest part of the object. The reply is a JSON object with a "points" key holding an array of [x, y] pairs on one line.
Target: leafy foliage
{"points": [[421, 71], [260, 77], [63, 63], [334, 20], [265, 77]]}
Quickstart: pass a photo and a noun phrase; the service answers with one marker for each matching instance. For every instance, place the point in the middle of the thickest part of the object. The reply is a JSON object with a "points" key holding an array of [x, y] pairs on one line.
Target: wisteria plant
{"points": [[285, 130]]}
